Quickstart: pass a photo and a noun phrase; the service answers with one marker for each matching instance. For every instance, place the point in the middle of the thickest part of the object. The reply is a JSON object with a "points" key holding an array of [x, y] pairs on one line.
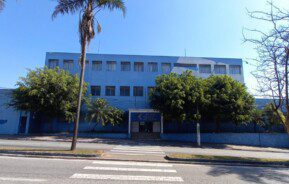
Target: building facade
{"points": [[125, 80], [12, 121]]}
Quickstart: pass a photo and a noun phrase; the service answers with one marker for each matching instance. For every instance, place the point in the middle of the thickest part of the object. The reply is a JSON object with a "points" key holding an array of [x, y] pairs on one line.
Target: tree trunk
{"points": [[76, 122]]}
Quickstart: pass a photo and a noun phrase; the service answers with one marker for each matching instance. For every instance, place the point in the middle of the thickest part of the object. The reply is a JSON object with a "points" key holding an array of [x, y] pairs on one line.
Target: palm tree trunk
{"points": [[76, 122]]}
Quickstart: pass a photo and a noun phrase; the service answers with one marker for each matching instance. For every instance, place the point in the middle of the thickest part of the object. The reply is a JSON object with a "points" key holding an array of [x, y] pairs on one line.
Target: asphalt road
{"points": [[166, 148], [36, 170]]}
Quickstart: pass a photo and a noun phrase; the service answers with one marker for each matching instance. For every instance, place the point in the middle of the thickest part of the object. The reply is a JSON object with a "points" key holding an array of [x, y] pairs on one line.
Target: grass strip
{"points": [[193, 157], [52, 152]]}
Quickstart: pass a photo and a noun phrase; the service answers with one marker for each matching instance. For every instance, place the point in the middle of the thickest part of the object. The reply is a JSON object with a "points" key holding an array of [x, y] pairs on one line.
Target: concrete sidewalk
{"points": [[63, 142], [175, 144]]}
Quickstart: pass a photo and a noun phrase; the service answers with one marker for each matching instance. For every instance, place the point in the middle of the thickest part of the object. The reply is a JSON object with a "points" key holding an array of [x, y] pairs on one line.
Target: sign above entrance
{"points": [[145, 116]]}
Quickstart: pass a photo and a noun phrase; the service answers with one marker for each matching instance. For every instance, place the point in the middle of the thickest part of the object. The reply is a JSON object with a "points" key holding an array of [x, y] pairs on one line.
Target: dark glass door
{"points": [[146, 127]]}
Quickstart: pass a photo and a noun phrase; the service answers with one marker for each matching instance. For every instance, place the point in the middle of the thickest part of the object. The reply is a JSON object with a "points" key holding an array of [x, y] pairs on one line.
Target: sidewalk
{"points": [[62, 141]]}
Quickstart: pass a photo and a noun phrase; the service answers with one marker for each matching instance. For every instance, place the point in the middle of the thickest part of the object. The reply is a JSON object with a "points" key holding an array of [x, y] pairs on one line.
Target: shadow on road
{"points": [[252, 174]]}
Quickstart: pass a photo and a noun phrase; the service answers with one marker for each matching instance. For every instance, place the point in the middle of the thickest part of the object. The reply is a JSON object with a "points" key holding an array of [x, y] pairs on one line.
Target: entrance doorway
{"points": [[145, 124], [146, 127]]}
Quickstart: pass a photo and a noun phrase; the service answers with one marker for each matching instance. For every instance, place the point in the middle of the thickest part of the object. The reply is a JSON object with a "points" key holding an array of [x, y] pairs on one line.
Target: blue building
{"points": [[125, 80], [12, 121]]}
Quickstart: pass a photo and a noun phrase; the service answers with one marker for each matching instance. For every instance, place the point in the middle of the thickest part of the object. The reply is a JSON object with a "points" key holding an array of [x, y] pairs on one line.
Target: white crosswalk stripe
{"points": [[137, 150], [127, 171], [149, 164], [130, 169], [127, 177]]}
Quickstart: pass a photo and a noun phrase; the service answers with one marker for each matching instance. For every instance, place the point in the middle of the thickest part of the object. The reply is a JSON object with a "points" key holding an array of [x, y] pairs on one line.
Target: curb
{"points": [[51, 156], [114, 141], [168, 160], [226, 163]]}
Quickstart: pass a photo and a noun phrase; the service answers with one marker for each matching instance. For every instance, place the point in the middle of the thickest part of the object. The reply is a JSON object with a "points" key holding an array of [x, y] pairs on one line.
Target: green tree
{"points": [[227, 99], [194, 96], [168, 97], [88, 10], [257, 118], [50, 92], [178, 97], [270, 116], [99, 111]]}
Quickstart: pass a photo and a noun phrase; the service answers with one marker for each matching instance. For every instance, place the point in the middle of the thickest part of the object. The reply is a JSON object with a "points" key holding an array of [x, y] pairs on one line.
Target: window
{"points": [[152, 67], [235, 69], [166, 67], [150, 89], [111, 66], [95, 90], [125, 66], [53, 63], [186, 65], [138, 66], [110, 90], [220, 69], [96, 65], [124, 91], [137, 91], [205, 69], [68, 64]]}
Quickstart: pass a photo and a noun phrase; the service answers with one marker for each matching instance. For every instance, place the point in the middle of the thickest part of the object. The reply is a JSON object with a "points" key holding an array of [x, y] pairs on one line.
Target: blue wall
{"points": [[279, 140], [133, 78]]}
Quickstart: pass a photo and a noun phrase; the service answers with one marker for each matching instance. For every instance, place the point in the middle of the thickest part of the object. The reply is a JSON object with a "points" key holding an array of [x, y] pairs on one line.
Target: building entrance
{"points": [[145, 123], [146, 127]]}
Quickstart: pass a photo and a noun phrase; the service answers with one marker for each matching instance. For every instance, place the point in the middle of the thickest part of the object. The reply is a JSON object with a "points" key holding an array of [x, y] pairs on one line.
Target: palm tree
{"points": [[99, 111], [2, 3], [88, 10]]}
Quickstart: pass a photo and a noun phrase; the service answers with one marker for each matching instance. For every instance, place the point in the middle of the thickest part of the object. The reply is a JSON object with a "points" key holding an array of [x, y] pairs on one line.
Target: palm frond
{"points": [[111, 5], [2, 4], [68, 7]]}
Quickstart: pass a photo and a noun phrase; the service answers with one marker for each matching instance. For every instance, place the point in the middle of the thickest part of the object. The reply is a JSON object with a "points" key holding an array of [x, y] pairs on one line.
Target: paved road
{"points": [[164, 148], [35, 170]]}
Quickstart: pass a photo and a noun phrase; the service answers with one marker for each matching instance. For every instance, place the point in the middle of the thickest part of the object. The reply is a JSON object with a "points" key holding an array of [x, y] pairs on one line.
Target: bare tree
{"points": [[273, 50]]}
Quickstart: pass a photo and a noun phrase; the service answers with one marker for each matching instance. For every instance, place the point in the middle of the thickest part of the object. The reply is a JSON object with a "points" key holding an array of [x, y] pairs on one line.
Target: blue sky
{"points": [[205, 28]]}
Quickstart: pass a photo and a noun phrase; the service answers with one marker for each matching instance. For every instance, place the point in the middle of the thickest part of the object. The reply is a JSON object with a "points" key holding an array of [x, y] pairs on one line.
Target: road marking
{"points": [[136, 151], [21, 179], [126, 177], [129, 147], [130, 169], [135, 154], [133, 163]]}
